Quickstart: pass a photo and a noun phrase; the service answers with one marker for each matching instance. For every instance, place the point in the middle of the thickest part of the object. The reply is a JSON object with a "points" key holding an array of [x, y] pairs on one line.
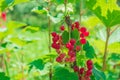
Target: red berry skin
{"points": [[56, 38], [69, 46], [73, 26], [72, 41], [78, 48], [58, 59], [77, 24], [72, 59], [62, 55], [76, 69], [88, 73], [90, 67], [71, 53], [83, 41], [82, 35], [67, 60], [62, 28], [82, 29], [53, 34], [55, 46], [81, 71], [3, 15], [89, 62], [86, 33]]}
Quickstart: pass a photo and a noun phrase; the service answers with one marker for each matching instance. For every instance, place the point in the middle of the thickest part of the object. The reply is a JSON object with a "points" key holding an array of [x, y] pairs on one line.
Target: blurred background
{"points": [[24, 35]]}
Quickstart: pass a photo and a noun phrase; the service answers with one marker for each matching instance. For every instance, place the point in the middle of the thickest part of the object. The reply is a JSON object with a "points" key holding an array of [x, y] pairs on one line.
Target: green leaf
{"points": [[9, 1], [75, 34], [3, 77], [115, 57], [111, 17], [99, 75], [38, 64], [64, 74], [89, 51], [65, 37]]}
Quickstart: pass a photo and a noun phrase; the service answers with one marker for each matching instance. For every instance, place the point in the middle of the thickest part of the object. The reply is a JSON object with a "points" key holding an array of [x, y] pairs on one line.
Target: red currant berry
{"points": [[62, 55], [82, 35], [62, 28], [76, 69], [81, 71], [86, 34], [77, 25], [73, 26], [83, 29], [72, 41], [67, 59], [88, 73], [54, 34], [78, 48], [71, 53], [90, 67], [83, 41], [58, 59], [89, 62], [72, 59], [3, 15]]}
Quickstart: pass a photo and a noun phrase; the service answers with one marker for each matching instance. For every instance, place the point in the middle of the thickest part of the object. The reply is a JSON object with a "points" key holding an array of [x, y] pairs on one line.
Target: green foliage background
{"points": [[26, 37]]}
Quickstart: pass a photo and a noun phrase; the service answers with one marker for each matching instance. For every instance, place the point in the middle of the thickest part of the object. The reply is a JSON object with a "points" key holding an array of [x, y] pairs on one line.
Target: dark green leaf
{"points": [[75, 34], [115, 57], [38, 64], [9, 1], [99, 75], [3, 77], [65, 37], [64, 74]]}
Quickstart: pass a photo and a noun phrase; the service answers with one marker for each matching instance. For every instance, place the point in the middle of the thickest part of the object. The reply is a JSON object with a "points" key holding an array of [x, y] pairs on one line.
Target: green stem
{"points": [[6, 66], [106, 48]]}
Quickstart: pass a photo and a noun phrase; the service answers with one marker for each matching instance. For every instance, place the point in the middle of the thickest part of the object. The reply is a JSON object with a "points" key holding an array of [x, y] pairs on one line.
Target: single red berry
{"points": [[69, 46], [58, 59], [56, 38], [62, 55], [86, 33], [88, 73], [77, 24], [62, 28], [89, 62], [67, 59], [82, 29], [76, 69], [53, 34], [73, 26], [83, 41], [55, 46], [72, 41], [3, 15], [72, 59], [78, 48], [81, 71], [82, 35], [90, 67], [71, 53]]}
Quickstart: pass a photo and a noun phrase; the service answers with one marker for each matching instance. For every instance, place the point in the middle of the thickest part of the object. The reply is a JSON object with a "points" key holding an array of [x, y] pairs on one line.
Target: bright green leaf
{"points": [[75, 34]]}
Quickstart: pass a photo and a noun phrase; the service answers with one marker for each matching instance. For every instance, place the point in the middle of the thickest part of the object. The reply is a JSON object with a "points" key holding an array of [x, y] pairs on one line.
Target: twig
{"points": [[106, 48]]}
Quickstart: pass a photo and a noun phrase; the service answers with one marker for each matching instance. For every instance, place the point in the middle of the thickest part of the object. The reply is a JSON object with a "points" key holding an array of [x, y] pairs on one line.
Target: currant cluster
{"points": [[82, 73], [72, 48]]}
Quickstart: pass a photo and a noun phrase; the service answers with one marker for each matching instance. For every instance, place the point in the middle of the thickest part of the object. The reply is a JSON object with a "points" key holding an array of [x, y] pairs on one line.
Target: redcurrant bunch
{"points": [[84, 73], [72, 48]]}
